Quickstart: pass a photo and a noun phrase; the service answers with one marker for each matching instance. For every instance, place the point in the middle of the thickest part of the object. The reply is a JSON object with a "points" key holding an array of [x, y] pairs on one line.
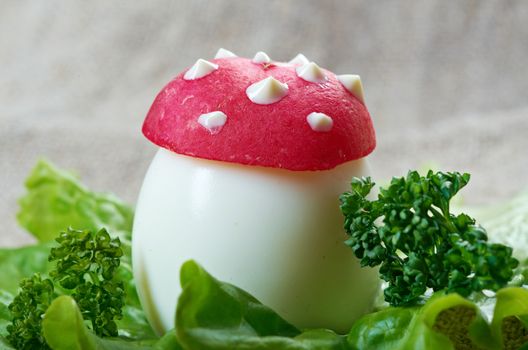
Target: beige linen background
{"points": [[446, 81]]}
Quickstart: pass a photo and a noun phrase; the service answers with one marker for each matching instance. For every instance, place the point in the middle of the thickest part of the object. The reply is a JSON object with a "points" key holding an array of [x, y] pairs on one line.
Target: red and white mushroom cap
{"points": [[256, 111]]}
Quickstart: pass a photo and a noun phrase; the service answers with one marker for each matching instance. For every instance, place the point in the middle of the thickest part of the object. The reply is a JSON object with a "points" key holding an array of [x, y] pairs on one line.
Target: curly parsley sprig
{"points": [[86, 263], [418, 243], [36, 294]]}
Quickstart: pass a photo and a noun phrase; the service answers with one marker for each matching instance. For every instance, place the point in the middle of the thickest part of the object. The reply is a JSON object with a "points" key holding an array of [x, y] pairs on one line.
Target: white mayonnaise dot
{"points": [[352, 83], [261, 57], [311, 72], [267, 91], [213, 121], [223, 53], [299, 60], [200, 69], [320, 122]]}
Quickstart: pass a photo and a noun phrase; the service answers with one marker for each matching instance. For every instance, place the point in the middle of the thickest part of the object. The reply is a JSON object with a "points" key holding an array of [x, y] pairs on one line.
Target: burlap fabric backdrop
{"points": [[446, 82]]}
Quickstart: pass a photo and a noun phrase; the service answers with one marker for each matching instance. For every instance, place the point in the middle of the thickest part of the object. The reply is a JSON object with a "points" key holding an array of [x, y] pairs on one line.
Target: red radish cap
{"points": [[295, 115]]}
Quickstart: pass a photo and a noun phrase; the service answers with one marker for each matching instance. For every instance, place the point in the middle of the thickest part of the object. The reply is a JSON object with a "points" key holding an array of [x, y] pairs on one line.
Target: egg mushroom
{"points": [[253, 156]]}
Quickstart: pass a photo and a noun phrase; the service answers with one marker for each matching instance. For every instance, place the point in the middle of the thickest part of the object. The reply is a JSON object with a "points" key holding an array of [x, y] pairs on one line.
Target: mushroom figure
{"points": [[253, 156]]}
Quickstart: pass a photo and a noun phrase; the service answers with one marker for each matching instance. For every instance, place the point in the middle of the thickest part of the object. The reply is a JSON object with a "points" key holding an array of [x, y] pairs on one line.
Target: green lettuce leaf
{"points": [[214, 315], [4, 345], [382, 330], [506, 223], [510, 318], [5, 315], [64, 329], [444, 322], [55, 200], [19, 263]]}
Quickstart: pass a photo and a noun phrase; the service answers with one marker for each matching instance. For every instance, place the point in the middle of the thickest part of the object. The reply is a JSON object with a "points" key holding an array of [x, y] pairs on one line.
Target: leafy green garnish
{"points": [[214, 315], [444, 322], [409, 231], [86, 264], [510, 318], [64, 329], [66, 316], [56, 200], [27, 310], [19, 263], [85, 267], [507, 223]]}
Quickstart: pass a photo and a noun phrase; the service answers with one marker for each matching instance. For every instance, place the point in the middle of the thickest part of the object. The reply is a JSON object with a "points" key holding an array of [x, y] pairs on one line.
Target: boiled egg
{"points": [[253, 157]]}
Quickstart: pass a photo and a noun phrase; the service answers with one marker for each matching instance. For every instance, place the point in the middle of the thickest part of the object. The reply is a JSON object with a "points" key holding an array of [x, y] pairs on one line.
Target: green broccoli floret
{"points": [[86, 263], [27, 309], [418, 244]]}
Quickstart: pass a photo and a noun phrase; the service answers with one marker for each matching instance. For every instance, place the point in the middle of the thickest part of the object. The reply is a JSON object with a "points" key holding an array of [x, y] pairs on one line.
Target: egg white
{"points": [[275, 233]]}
